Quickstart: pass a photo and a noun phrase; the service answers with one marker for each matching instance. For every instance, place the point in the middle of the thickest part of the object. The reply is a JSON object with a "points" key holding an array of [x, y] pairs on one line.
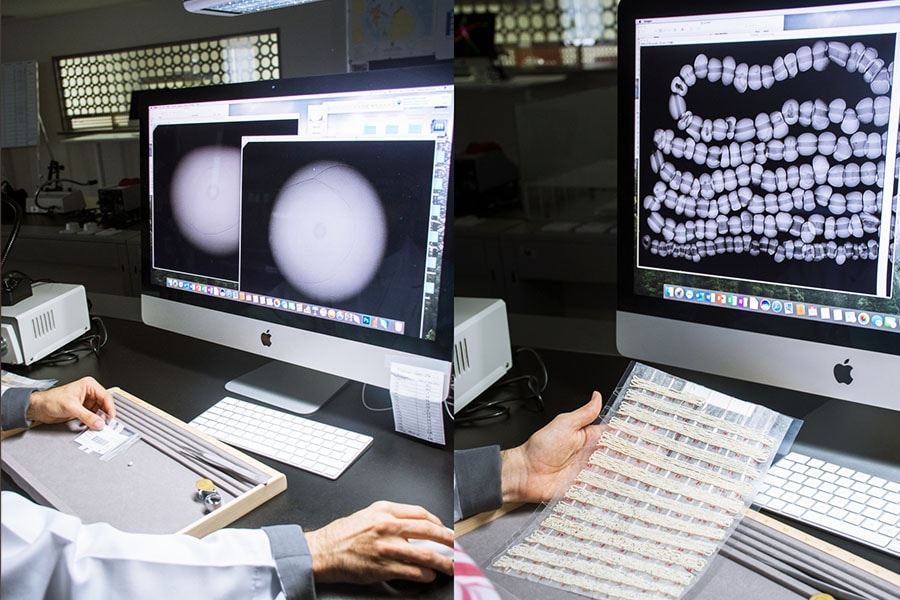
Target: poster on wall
{"points": [[379, 31]]}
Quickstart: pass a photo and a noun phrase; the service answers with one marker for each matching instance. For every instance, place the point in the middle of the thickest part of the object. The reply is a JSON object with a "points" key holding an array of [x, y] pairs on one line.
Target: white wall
{"points": [[312, 41]]}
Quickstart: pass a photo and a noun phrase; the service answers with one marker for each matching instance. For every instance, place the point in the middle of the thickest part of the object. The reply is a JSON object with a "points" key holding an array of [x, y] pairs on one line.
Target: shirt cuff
{"points": [[477, 480], [14, 406], [292, 561]]}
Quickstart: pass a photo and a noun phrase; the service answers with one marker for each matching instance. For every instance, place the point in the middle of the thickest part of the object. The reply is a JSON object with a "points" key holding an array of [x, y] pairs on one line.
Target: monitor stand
{"points": [[290, 387]]}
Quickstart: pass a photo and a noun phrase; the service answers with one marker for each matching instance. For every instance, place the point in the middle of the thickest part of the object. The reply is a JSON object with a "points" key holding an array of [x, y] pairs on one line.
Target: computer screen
{"points": [[303, 220], [758, 192]]}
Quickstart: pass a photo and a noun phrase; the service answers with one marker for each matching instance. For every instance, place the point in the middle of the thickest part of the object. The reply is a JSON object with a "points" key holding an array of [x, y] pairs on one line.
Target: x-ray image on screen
{"points": [[754, 167], [346, 223], [198, 212]]}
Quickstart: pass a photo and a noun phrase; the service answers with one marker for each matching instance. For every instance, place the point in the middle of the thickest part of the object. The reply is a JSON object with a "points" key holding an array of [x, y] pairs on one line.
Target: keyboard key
{"points": [[889, 530], [871, 524], [828, 488], [839, 502], [796, 457], [776, 505], [790, 497], [806, 502], [837, 513], [823, 497], [855, 519], [860, 487], [780, 472], [876, 503], [806, 491], [878, 482], [872, 513]]}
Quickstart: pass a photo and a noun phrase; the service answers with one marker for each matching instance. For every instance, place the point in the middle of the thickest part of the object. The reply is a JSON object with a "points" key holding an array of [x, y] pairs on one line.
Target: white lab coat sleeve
{"points": [[47, 554]]}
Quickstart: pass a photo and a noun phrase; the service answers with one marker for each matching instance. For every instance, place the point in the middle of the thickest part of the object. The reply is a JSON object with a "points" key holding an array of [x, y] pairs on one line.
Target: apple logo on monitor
{"points": [[842, 372], [266, 338]]}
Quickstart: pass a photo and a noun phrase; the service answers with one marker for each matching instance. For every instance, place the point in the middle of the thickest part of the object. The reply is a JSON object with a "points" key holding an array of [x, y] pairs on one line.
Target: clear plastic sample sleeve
{"points": [[673, 474]]}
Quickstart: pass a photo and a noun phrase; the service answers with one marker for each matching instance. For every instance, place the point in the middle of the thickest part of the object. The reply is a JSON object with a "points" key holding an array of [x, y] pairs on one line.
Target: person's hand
{"points": [[77, 400], [536, 470], [371, 546]]}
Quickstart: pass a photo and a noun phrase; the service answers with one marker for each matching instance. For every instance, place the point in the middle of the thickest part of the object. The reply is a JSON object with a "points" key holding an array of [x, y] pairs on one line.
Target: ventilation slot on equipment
{"points": [[43, 324], [461, 357]]}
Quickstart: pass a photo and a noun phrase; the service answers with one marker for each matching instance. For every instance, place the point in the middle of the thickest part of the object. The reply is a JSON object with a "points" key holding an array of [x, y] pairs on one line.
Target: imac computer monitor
{"points": [[303, 220], [758, 192]]}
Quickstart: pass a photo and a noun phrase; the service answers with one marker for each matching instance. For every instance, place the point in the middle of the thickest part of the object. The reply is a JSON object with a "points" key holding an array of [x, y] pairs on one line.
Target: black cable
{"points": [[17, 223], [486, 409], [90, 342]]}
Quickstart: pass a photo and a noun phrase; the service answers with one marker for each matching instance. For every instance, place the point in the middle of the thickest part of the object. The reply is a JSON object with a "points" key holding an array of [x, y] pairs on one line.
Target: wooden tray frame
{"points": [[275, 483]]}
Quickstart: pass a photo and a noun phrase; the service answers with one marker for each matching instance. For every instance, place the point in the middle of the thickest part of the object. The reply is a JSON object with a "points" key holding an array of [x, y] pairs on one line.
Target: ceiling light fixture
{"points": [[233, 8]]}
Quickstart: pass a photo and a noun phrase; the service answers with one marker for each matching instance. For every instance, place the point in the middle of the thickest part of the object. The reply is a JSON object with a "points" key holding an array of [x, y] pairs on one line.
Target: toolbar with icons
{"points": [[305, 308], [869, 319]]}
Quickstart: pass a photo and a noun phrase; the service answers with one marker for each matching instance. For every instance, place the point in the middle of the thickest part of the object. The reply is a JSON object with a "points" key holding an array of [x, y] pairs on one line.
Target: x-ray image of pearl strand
{"points": [[345, 223], [200, 208], [766, 161]]}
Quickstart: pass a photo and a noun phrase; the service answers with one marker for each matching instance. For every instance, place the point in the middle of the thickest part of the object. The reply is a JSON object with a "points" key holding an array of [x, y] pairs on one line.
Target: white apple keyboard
{"points": [[297, 441], [852, 504]]}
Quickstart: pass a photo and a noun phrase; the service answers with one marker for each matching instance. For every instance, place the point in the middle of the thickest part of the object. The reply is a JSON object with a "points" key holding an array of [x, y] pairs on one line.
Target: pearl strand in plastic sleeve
{"points": [[612, 558], [692, 414], [639, 494], [716, 440], [595, 569], [650, 386], [649, 516], [674, 465], [585, 533], [660, 481], [614, 522], [711, 458], [580, 582]]}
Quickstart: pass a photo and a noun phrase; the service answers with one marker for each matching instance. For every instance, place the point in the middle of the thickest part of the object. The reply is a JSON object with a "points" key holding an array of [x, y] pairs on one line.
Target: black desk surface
{"points": [[870, 439], [184, 377]]}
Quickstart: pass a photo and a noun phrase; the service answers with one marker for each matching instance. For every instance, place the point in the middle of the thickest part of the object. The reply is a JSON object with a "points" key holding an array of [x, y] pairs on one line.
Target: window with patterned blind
{"points": [[95, 89], [548, 33]]}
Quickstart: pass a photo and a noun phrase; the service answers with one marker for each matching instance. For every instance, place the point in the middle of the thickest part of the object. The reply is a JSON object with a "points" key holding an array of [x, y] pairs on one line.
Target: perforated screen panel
{"points": [[95, 89]]}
